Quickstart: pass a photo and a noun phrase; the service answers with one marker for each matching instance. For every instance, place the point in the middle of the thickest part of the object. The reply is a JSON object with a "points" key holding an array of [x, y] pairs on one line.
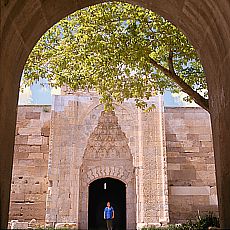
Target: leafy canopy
{"points": [[111, 48]]}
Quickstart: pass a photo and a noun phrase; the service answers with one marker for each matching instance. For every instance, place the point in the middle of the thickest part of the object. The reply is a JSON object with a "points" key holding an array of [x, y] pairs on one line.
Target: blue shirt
{"points": [[108, 213]]}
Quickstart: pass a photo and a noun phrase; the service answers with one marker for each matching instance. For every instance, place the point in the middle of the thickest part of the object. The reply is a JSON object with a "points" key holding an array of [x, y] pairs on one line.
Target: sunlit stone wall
{"points": [[29, 181], [191, 167], [170, 164]]}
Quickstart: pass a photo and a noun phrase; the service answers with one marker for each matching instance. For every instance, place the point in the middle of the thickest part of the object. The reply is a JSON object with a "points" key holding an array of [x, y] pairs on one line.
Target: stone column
{"points": [[75, 190], [139, 174], [130, 205], [215, 55], [8, 114], [162, 162], [220, 117], [154, 166], [64, 163]]}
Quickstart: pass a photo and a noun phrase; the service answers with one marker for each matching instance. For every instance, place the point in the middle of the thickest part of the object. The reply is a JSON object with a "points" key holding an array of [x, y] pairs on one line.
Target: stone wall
{"points": [[108, 155], [74, 119], [29, 181], [190, 161], [191, 168], [206, 23]]}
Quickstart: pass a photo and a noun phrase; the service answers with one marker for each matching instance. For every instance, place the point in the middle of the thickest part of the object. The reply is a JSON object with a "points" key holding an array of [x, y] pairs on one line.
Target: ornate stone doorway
{"points": [[101, 191], [126, 145], [107, 159]]}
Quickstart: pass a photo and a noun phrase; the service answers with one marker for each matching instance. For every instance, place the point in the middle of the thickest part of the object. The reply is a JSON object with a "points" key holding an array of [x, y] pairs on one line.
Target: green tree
{"points": [[120, 50]]}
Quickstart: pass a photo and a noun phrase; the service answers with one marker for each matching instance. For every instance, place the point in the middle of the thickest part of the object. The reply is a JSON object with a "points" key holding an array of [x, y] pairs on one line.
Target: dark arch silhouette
{"points": [[100, 192], [206, 24]]}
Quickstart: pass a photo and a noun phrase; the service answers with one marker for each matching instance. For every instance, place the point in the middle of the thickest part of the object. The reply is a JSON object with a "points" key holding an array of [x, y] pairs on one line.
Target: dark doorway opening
{"points": [[101, 191]]}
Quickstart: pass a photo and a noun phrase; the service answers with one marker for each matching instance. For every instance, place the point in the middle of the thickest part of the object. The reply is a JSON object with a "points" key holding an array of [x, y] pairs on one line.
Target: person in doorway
{"points": [[109, 216]]}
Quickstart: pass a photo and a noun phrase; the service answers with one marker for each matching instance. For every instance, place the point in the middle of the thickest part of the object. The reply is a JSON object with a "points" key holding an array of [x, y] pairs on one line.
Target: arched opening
{"points": [[100, 192], [19, 36]]}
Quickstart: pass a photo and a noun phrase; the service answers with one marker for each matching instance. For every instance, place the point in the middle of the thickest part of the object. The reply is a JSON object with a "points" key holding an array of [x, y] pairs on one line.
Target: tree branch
{"points": [[170, 62], [183, 85]]}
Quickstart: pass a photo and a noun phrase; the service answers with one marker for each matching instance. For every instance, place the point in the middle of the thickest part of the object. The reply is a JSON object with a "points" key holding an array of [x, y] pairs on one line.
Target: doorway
{"points": [[100, 192]]}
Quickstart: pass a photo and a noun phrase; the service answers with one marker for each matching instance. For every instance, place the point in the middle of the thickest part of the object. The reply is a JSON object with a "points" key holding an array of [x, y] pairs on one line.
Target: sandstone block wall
{"points": [[74, 118], [191, 167], [190, 163], [29, 181]]}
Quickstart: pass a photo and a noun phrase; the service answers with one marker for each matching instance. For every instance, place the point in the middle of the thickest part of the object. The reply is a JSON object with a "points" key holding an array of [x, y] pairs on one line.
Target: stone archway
{"points": [[102, 191], [92, 144], [107, 155], [206, 23], [130, 197]]}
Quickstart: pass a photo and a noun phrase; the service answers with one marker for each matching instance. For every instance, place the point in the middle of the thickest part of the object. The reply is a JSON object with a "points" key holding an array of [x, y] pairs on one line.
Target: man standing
{"points": [[109, 216]]}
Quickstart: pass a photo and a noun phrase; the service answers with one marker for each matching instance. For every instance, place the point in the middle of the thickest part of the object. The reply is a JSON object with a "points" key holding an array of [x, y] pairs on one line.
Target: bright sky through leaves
{"points": [[120, 50]]}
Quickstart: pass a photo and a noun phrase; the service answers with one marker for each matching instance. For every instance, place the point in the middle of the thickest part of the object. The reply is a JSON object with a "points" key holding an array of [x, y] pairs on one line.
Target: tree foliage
{"points": [[120, 50]]}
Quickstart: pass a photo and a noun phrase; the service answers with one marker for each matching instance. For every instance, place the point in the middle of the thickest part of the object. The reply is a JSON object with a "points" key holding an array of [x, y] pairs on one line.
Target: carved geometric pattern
{"points": [[107, 171], [108, 155], [107, 140]]}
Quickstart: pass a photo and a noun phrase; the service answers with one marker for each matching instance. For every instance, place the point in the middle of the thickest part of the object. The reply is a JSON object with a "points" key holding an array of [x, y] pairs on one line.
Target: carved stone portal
{"points": [[87, 144], [108, 155]]}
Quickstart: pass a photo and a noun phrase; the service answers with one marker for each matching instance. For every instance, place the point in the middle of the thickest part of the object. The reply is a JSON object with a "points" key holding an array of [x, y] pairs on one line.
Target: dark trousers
{"points": [[109, 224]]}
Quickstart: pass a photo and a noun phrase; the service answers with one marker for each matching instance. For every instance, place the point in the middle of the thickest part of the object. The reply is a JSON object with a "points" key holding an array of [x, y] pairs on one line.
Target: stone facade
{"points": [[76, 120], [29, 181], [206, 24], [107, 155], [190, 161], [165, 158]]}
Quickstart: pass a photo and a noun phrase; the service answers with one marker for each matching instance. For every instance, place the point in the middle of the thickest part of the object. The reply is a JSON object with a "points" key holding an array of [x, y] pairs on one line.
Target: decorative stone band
{"points": [[119, 173]]}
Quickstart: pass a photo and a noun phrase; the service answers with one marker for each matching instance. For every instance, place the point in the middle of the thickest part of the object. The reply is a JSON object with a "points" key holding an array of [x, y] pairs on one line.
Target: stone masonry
{"points": [[75, 119], [164, 157], [205, 23], [29, 181], [190, 161], [108, 155]]}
